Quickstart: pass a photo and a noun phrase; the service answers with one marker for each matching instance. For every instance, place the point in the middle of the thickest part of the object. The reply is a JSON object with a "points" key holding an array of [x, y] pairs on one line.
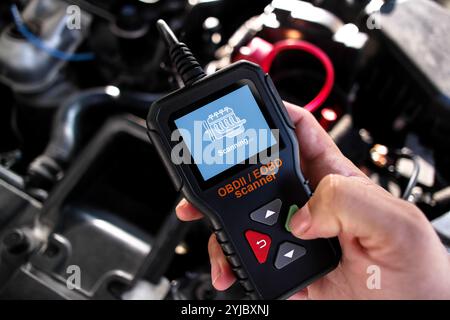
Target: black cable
{"points": [[184, 61], [173, 230]]}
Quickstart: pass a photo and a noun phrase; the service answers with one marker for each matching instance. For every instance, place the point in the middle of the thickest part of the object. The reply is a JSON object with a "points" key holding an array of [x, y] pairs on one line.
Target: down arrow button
{"points": [[287, 253]]}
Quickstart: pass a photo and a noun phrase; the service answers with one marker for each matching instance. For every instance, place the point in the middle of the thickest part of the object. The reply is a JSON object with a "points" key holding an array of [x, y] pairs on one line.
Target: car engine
{"points": [[87, 209]]}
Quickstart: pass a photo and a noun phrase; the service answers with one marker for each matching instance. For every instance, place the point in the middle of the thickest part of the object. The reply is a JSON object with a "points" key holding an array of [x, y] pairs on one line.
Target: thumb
{"points": [[357, 207]]}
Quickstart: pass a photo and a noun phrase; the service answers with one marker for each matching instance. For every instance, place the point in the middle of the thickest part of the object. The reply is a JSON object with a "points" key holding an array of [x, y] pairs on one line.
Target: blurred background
{"points": [[86, 206]]}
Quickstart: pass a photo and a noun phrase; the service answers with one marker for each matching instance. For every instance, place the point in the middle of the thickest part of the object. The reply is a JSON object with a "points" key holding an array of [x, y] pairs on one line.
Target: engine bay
{"points": [[82, 190]]}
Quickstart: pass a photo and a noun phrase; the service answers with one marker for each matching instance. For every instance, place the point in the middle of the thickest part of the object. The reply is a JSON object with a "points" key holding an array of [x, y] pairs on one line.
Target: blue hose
{"points": [[38, 43]]}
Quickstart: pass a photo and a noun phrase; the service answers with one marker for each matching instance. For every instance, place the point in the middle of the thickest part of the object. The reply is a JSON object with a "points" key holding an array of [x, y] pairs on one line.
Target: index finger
{"points": [[187, 212]]}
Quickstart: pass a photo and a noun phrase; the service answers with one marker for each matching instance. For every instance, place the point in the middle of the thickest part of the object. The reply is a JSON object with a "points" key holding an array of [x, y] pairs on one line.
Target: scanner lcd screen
{"points": [[225, 132]]}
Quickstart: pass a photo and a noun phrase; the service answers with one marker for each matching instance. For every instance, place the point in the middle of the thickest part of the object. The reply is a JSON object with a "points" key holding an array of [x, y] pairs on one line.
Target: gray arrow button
{"points": [[267, 214], [287, 253]]}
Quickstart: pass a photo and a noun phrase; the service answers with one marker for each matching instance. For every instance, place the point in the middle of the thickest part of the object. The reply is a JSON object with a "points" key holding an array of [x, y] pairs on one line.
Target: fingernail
{"points": [[216, 272], [300, 222], [182, 203]]}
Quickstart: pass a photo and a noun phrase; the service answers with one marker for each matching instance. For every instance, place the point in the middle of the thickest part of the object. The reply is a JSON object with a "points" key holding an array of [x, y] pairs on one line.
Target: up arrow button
{"points": [[267, 214]]}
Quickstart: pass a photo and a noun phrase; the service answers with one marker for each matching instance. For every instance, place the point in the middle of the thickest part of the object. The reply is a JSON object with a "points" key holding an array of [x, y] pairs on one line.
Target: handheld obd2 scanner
{"points": [[230, 148]]}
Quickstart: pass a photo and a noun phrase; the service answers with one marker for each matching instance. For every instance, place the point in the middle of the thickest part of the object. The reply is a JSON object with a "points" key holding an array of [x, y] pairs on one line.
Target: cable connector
{"points": [[185, 63]]}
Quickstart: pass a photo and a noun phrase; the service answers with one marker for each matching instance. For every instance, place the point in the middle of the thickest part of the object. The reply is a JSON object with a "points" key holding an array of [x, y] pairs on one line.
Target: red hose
{"points": [[290, 44]]}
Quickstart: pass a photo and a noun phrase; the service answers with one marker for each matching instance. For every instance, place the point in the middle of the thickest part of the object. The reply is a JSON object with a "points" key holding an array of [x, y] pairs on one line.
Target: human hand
{"points": [[374, 229]]}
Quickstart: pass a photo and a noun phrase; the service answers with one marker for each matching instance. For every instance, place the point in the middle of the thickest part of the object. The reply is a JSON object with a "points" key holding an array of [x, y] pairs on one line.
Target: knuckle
{"points": [[415, 219], [331, 188], [411, 224]]}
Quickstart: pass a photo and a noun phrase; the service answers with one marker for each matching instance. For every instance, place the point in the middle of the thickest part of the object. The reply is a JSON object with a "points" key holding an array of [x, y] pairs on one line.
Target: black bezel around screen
{"points": [[206, 184]]}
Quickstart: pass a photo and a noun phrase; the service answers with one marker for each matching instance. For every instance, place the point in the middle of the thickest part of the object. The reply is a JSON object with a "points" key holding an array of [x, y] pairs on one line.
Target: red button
{"points": [[260, 244]]}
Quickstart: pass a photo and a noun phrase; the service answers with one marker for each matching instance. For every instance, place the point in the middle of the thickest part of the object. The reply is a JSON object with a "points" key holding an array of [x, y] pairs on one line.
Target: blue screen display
{"points": [[225, 132]]}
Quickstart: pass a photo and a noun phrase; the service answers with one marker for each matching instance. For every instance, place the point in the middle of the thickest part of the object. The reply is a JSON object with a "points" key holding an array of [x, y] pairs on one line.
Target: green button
{"points": [[292, 210]]}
